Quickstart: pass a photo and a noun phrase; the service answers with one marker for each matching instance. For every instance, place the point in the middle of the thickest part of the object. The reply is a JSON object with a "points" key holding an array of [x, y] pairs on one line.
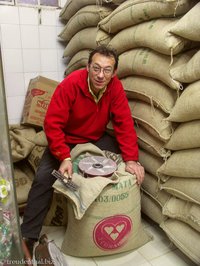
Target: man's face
{"points": [[100, 72]]}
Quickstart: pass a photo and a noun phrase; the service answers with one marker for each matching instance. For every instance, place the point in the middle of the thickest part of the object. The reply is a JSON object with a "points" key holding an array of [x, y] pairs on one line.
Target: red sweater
{"points": [[74, 117]]}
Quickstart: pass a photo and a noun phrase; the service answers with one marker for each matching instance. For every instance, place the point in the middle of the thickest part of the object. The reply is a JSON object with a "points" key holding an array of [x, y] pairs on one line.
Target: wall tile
{"points": [[29, 36], [14, 83], [18, 103], [50, 75], [48, 60], [28, 76], [47, 37], [48, 17], [12, 60], [11, 37], [9, 15], [28, 16], [31, 60]]}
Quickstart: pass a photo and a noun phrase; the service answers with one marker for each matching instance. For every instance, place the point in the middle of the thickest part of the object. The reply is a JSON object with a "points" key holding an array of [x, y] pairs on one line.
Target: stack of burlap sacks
{"points": [[80, 32], [27, 147], [158, 46]]}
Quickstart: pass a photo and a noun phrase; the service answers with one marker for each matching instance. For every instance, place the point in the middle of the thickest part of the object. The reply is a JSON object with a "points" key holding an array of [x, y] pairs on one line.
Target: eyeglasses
{"points": [[106, 71]]}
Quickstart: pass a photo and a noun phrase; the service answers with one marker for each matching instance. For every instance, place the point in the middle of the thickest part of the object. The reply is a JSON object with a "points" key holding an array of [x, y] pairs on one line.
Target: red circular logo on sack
{"points": [[112, 232]]}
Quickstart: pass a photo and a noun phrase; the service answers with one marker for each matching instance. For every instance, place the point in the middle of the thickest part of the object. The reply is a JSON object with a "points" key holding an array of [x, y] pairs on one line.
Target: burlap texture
{"points": [[185, 136], [131, 12], [187, 106], [184, 211], [183, 188], [21, 140], [189, 25], [151, 91], [184, 237], [88, 16], [144, 35], [152, 119]]}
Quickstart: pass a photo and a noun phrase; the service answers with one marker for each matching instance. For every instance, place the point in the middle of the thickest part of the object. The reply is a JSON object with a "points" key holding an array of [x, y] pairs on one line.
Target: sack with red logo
{"points": [[111, 223]]}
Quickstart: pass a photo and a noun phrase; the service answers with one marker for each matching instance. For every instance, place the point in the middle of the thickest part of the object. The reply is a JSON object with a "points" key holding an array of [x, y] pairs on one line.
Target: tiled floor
{"points": [[158, 252]]}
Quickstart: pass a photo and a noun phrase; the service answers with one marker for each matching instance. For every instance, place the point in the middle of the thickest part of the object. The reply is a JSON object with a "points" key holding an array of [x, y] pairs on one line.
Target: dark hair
{"points": [[106, 51]]}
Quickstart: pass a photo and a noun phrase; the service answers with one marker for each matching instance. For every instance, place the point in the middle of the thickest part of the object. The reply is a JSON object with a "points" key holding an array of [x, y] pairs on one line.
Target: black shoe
{"points": [[28, 246]]}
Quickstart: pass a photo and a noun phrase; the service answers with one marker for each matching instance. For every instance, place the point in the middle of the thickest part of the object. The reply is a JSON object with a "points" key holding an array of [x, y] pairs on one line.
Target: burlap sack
{"points": [[102, 37], [35, 156], [184, 211], [183, 163], [152, 209], [151, 187], [80, 42], [184, 237], [79, 60], [187, 106], [151, 144], [71, 7], [40, 139], [107, 227], [23, 176], [150, 90], [88, 16], [132, 12], [150, 162], [104, 227], [144, 35], [57, 214], [21, 141], [188, 72], [152, 119], [183, 188], [189, 25], [148, 63], [185, 136]]}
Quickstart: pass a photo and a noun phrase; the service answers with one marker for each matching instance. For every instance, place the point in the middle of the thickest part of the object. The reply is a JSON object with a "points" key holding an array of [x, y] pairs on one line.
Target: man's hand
{"points": [[134, 167], [66, 168]]}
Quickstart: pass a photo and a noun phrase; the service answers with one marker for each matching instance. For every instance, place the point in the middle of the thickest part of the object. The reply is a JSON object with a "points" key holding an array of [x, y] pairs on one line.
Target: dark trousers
{"points": [[41, 192]]}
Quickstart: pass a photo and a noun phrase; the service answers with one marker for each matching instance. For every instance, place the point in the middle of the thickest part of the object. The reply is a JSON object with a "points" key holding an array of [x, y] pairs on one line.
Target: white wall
{"points": [[30, 47]]}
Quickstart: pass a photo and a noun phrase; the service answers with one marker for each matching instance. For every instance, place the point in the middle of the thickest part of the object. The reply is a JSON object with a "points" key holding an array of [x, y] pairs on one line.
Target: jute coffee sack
{"points": [[88, 16], [107, 227], [150, 186], [183, 188], [151, 208], [183, 163], [151, 91], [189, 25], [187, 106], [102, 37], [132, 12], [104, 226], [79, 60], [150, 162], [57, 214], [185, 136], [188, 72], [184, 237], [71, 7], [146, 62], [184, 211], [35, 156], [21, 141], [24, 176], [150, 143], [144, 35], [80, 42], [152, 119]]}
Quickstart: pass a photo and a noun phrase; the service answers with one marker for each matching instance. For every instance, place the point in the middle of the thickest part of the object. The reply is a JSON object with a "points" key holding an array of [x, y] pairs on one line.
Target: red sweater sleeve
{"points": [[123, 124], [56, 119]]}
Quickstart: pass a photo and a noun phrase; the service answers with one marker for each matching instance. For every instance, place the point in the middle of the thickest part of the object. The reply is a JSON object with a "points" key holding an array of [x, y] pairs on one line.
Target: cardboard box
{"points": [[40, 91]]}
